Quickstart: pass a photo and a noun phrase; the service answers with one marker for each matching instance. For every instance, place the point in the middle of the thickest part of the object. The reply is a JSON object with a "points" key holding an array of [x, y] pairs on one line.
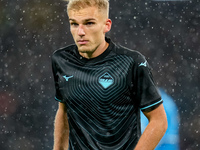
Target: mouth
{"points": [[82, 42]]}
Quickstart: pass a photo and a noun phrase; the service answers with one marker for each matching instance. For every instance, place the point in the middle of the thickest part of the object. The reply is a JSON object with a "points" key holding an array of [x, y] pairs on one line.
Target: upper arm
{"points": [[157, 114], [62, 107], [61, 114]]}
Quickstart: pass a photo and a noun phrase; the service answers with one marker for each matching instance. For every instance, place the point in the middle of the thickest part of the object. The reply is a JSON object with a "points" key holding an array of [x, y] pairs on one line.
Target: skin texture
{"points": [[88, 27]]}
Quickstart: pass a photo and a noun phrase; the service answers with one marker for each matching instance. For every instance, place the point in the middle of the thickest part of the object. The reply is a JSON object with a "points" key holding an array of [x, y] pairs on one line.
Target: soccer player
{"points": [[101, 88]]}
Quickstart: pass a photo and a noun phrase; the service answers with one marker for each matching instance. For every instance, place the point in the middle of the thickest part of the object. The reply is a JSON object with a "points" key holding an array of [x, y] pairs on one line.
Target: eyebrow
{"points": [[86, 20]]}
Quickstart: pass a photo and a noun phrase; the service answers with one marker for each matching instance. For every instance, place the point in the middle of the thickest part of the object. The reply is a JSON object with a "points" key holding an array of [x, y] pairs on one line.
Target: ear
{"points": [[108, 25]]}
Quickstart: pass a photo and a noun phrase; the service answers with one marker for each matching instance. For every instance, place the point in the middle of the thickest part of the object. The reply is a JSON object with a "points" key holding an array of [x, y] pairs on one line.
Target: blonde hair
{"points": [[102, 5]]}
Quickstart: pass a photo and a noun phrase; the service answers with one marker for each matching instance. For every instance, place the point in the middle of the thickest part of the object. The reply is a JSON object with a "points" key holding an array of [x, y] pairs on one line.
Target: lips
{"points": [[82, 42]]}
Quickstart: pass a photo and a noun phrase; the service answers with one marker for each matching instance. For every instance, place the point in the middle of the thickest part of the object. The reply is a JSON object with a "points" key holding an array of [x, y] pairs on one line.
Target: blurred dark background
{"points": [[167, 33]]}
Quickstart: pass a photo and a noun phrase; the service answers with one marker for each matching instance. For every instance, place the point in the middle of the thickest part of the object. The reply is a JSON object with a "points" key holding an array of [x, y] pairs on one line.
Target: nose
{"points": [[81, 31]]}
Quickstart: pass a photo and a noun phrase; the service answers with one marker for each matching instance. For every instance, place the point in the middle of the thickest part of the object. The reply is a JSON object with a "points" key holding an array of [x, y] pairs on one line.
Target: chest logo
{"points": [[67, 78], [106, 80]]}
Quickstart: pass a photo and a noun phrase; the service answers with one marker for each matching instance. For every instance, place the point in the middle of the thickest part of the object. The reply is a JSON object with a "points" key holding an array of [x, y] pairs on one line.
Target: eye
{"points": [[74, 24], [90, 23]]}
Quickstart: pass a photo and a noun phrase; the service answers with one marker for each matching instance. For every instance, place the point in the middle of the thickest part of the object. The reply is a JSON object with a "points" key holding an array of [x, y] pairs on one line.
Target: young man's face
{"points": [[88, 27]]}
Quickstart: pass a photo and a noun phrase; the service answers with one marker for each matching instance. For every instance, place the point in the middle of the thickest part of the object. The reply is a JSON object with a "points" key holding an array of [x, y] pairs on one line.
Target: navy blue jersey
{"points": [[104, 96]]}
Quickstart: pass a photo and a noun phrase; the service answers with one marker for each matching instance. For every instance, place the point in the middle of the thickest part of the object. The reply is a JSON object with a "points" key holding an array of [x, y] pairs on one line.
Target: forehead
{"points": [[84, 14]]}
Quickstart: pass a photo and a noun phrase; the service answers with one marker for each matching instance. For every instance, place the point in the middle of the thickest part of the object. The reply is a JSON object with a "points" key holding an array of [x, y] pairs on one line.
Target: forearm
{"points": [[151, 136], [61, 131]]}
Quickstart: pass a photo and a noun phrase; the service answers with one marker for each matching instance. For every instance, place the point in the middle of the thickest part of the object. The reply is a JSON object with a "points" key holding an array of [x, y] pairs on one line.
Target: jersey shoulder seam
{"points": [[134, 54]]}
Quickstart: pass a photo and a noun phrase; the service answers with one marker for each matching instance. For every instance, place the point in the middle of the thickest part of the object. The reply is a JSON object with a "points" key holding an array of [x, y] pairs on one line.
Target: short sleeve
{"points": [[55, 70], [147, 92]]}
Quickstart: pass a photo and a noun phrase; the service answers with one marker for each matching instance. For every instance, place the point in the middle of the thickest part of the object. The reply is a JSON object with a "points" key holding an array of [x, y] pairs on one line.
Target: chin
{"points": [[85, 50]]}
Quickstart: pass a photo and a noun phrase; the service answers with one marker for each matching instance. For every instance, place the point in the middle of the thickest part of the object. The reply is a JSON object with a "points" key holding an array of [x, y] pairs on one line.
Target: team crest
{"points": [[106, 80]]}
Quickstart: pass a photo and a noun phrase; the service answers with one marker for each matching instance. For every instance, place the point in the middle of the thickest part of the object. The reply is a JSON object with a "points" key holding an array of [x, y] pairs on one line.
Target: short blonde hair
{"points": [[102, 5]]}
